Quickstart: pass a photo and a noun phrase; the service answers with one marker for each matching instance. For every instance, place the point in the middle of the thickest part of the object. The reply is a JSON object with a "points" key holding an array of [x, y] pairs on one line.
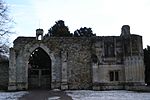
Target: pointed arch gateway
{"points": [[39, 70]]}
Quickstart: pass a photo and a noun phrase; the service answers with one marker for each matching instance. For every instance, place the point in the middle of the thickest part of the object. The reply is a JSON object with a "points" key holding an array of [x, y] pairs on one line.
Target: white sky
{"points": [[105, 17]]}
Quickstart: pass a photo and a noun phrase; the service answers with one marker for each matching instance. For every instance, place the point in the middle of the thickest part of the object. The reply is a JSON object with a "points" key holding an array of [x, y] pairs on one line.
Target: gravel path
{"points": [[46, 95]]}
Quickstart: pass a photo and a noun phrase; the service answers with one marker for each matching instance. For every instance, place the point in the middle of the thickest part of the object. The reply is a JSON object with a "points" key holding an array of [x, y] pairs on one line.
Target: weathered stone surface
{"points": [[99, 63], [4, 66]]}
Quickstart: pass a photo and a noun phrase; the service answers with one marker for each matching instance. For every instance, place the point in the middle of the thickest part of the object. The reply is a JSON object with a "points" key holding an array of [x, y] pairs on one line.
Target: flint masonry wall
{"points": [[71, 67], [81, 62]]}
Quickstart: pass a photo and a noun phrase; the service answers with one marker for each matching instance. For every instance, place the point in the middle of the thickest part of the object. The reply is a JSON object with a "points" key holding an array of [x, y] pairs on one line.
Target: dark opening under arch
{"points": [[39, 70]]}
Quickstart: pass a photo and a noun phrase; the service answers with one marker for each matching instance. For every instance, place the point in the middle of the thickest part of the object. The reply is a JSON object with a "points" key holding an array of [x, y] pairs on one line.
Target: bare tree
{"points": [[5, 26]]}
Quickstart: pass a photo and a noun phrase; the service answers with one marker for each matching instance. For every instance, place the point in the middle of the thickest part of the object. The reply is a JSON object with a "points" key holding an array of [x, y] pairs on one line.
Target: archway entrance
{"points": [[39, 70]]}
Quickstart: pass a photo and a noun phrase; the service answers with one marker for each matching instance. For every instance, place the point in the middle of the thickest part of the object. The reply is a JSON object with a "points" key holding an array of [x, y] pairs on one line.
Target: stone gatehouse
{"points": [[98, 62]]}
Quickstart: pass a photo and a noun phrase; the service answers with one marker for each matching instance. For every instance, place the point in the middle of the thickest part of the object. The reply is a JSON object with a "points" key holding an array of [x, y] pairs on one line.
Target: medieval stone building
{"points": [[98, 62]]}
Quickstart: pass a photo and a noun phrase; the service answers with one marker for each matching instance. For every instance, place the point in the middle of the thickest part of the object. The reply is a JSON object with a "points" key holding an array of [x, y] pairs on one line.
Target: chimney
{"points": [[125, 30]]}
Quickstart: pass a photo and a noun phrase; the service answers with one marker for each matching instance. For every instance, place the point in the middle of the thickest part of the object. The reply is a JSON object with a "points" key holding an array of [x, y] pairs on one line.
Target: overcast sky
{"points": [[105, 17]]}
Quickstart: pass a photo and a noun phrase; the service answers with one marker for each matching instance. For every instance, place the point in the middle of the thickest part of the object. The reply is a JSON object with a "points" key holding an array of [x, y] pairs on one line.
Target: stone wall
{"points": [[75, 61], [101, 78], [4, 66], [81, 62], [133, 61], [71, 61]]}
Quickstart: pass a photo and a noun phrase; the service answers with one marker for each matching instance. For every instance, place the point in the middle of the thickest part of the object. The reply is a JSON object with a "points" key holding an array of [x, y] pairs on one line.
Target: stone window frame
{"points": [[109, 50], [114, 75]]}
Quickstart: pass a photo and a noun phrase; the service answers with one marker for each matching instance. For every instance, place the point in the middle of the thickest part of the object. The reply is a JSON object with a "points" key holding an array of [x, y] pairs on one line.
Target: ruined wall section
{"points": [[133, 60], [75, 57], [17, 77], [81, 62], [54, 45], [71, 64], [22, 41], [108, 58], [23, 48]]}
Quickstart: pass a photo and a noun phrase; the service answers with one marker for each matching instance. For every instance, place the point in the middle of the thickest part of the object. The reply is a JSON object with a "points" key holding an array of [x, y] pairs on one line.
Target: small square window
{"points": [[114, 75]]}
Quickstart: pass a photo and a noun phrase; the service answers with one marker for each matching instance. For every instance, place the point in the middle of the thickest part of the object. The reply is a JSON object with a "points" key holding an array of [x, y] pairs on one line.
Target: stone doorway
{"points": [[39, 70]]}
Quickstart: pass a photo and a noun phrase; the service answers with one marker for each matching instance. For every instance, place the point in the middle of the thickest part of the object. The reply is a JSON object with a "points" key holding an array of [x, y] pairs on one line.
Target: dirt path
{"points": [[46, 95]]}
